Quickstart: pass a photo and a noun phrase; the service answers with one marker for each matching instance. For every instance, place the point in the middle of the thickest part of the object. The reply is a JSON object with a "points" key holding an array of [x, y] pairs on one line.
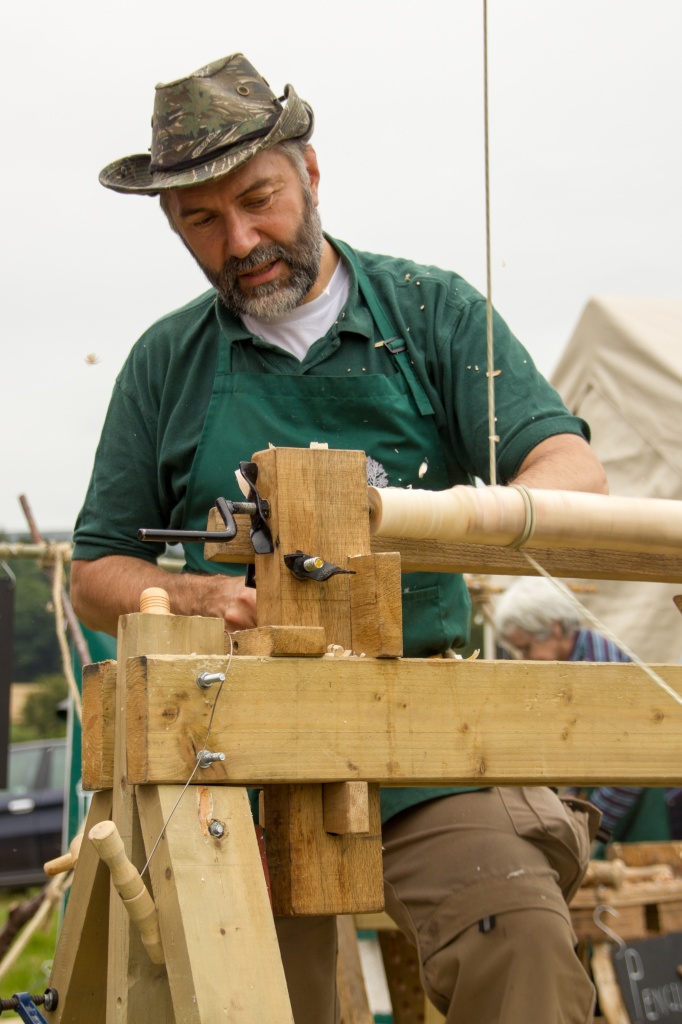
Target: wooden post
{"points": [[79, 968], [137, 989], [355, 1008], [216, 921], [317, 507]]}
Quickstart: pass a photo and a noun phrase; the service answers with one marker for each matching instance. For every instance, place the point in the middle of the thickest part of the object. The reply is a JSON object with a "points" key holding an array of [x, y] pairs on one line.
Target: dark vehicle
{"points": [[32, 811]]}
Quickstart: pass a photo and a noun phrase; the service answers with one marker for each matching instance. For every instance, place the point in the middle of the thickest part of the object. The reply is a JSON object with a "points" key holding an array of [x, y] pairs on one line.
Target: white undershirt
{"points": [[296, 331]]}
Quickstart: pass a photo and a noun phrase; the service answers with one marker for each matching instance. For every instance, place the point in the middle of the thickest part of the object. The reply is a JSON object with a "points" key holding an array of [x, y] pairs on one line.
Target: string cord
{"points": [[196, 766], [493, 438], [492, 433]]}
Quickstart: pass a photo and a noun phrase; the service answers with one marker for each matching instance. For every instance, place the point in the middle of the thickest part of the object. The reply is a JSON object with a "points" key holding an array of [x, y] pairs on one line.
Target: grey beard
{"points": [[270, 301]]}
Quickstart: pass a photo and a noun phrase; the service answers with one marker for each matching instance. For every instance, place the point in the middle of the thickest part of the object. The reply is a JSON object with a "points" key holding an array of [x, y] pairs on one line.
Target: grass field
{"points": [[31, 971]]}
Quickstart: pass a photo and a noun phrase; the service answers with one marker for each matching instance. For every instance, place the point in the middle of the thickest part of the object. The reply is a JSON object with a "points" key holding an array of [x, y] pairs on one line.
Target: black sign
{"points": [[649, 979]]}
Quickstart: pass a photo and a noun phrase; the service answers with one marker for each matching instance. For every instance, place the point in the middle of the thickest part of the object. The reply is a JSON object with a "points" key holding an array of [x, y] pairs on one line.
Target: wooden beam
{"points": [[435, 556], [406, 722], [280, 641]]}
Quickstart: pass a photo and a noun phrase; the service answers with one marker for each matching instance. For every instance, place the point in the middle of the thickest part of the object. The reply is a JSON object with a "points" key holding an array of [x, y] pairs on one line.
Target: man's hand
{"points": [[564, 462], [225, 597], [103, 590]]}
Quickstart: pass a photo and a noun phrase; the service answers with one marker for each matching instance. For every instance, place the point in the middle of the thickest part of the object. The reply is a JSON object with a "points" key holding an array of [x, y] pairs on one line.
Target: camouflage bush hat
{"points": [[206, 125]]}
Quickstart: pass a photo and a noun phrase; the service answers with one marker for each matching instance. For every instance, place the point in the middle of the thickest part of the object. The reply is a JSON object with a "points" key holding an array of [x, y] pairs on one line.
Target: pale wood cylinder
{"points": [[498, 516], [615, 873], [155, 601], [67, 861], [605, 872], [128, 883]]}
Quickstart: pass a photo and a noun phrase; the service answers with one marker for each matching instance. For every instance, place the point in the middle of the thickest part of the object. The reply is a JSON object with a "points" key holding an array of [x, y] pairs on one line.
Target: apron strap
{"points": [[396, 345]]}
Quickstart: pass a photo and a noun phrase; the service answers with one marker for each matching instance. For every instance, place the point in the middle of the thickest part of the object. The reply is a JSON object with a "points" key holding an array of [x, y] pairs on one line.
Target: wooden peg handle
{"points": [[155, 601], [616, 873], [67, 861], [129, 885], [605, 872]]}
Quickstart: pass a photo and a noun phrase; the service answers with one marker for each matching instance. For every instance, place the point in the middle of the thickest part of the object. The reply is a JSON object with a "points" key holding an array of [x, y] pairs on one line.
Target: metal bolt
{"points": [[315, 562], [50, 999], [206, 758], [216, 829], [205, 680]]}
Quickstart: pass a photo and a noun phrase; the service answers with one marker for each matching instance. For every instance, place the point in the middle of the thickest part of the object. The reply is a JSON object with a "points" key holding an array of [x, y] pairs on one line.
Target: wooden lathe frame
{"points": [[321, 733]]}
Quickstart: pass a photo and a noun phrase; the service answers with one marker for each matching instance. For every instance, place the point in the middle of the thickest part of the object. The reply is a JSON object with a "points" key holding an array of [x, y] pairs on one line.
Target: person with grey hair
{"points": [[540, 623], [536, 621]]}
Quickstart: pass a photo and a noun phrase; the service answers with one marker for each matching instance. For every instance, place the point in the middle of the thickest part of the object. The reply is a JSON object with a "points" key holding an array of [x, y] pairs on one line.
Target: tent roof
{"points": [[629, 351]]}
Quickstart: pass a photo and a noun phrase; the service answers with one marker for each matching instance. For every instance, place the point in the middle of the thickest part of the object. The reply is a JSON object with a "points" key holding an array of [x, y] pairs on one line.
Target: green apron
{"points": [[388, 417]]}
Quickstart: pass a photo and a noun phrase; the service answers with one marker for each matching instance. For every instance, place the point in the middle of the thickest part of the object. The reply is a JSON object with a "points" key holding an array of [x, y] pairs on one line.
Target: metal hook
{"points": [[604, 909]]}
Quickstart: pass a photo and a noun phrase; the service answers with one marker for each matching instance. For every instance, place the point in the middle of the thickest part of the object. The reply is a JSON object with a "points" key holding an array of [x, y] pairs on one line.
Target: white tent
{"points": [[622, 372]]}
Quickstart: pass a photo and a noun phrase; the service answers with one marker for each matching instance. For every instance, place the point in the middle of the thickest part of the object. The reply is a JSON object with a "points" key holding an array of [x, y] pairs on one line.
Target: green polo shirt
{"points": [[161, 396]]}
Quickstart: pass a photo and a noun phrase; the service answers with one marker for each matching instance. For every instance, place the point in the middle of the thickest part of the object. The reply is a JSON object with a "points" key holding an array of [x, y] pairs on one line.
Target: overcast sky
{"points": [[586, 168]]}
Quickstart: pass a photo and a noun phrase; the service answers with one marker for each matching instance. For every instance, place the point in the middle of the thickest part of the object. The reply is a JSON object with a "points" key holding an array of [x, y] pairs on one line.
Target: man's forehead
{"points": [[266, 167]]}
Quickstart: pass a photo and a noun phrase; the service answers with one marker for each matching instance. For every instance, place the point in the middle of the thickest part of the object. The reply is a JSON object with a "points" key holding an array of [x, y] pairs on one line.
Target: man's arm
{"points": [[564, 462], [103, 589]]}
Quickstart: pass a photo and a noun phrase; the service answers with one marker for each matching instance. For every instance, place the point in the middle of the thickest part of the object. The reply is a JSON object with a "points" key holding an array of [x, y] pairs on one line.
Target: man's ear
{"points": [[313, 171]]}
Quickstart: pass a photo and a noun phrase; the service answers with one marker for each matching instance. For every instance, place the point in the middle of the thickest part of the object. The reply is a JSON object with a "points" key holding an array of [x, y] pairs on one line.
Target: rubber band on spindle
{"points": [[531, 516]]}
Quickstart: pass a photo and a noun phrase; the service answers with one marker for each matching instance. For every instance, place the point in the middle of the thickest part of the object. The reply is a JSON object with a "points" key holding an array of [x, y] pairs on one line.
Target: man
{"points": [[535, 620], [306, 339]]}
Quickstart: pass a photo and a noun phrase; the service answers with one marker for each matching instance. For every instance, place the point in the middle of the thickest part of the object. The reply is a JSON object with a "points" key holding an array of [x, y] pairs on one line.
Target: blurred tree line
{"points": [[37, 657], [36, 650]]}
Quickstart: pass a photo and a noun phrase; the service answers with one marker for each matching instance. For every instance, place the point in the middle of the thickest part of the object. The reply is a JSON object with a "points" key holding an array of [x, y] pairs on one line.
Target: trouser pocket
{"points": [[562, 830]]}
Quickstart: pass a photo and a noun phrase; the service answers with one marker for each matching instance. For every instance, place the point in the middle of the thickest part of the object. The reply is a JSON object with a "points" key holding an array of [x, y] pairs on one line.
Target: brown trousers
{"points": [[476, 882]]}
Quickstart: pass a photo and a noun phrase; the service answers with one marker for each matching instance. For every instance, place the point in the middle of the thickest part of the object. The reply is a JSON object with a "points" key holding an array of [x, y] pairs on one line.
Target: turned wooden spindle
{"points": [[67, 861], [155, 601], [616, 873], [129, 885]]}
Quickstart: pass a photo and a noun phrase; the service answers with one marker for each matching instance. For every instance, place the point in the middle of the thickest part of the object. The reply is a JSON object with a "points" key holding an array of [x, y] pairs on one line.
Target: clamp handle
{"points": [[128, 883], [67, 861]]}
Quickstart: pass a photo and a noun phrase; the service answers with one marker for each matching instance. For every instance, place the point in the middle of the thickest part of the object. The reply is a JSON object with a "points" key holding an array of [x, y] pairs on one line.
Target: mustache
{"points": [[231, 269]]}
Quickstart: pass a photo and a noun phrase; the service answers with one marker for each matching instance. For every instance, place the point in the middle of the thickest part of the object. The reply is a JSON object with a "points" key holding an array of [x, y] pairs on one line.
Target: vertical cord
{"points": [[493, 437], [492, 433]]}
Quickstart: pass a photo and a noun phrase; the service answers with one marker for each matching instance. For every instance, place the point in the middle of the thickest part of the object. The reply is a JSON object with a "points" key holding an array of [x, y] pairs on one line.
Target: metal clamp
{"points": [[26, 1005], [260, 534], [312, 567]]}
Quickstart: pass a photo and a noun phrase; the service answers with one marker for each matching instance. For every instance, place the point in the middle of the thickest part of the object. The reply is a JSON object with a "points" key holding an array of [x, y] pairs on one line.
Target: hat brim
{"points": [[132, 174]]}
